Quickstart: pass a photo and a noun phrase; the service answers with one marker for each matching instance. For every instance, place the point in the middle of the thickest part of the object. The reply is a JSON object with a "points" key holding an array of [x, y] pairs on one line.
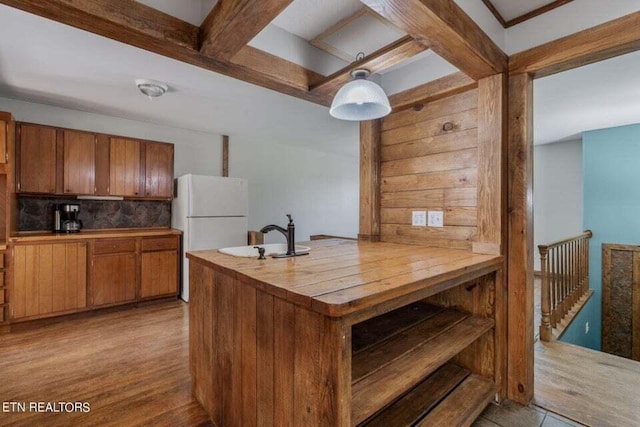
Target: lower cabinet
{"points": [[113, 271], [159, 274], [48, 279], [4, 305], [114, 279]]}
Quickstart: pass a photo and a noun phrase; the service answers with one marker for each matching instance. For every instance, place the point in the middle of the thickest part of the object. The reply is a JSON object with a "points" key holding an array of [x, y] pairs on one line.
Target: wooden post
{"points": [[563, 278], [520, 254], [492, 137], [553, 278], [225, 155], [586, 260], [545, 326], [370, 180]]}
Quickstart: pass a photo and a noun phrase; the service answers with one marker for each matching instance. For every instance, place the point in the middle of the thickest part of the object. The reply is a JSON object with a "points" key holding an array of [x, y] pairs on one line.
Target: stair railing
{"points": [[565, 279]]}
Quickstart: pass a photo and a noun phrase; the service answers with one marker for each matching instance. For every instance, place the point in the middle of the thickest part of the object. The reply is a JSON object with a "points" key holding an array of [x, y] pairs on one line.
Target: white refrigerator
{"points": [[211, 211]]}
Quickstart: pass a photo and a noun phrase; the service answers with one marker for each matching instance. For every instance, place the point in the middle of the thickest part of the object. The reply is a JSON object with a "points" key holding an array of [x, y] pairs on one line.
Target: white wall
{"points": [[195, 152], [557, 192], [319, 189]]}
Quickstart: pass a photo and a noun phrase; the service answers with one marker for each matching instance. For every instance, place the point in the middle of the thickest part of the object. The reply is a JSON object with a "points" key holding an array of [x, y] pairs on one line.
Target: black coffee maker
{"points": [[65, 218]]}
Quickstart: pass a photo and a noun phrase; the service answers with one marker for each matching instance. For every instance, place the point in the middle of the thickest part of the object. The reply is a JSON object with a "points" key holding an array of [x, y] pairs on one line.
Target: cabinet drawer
{"points": [[114, 246], [159, 244]]}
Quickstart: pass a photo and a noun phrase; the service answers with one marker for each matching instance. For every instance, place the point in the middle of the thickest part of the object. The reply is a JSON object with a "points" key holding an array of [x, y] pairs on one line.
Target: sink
{"points": [[270, 250]]}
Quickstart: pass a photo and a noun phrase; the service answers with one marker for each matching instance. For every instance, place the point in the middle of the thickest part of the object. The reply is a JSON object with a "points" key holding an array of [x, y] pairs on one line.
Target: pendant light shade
{"points": [[360, 99]]}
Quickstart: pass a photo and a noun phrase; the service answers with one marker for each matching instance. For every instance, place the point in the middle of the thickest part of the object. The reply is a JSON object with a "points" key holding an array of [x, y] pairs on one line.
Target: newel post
{"points": [[545, 325]]}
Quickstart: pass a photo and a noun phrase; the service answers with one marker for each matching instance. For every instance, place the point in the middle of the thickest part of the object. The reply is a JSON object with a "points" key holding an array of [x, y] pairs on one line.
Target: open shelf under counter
{"points": [[450, 396], [393, 354]]}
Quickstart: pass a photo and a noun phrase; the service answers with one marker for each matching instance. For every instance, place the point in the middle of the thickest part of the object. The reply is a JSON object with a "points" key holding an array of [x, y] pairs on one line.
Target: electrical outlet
{"points": [[436, 219], [419, 218], [586, 328]]}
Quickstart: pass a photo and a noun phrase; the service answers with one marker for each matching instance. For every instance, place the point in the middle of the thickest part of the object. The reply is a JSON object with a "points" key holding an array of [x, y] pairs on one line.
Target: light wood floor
{"points": [[590, 387], [131, 366]]}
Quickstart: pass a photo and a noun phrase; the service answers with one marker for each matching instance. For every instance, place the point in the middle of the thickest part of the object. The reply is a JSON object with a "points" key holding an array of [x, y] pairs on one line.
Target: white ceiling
{"points": [[47, 62], [596, 96], [510, 9], [309, 18], [192, 11]]}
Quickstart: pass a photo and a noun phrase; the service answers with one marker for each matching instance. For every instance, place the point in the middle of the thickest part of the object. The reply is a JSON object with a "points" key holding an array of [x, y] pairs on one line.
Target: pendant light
{"points": [[360, 99]]}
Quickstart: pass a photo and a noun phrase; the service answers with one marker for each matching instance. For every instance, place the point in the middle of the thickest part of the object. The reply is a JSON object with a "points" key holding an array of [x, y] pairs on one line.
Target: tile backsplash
{"points": [[36, 213]]}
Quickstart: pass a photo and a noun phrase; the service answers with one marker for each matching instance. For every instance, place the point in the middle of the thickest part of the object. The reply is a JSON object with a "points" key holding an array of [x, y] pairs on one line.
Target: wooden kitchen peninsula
{"points": [[355, 333]]}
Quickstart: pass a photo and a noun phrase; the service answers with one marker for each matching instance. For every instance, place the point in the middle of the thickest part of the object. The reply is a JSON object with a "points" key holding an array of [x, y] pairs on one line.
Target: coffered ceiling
{"points": [[513, 12]]}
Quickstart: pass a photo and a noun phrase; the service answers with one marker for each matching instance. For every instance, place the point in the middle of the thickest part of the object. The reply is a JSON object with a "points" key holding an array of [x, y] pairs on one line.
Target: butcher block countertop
{"points": [[341, 277], [47, 236]]}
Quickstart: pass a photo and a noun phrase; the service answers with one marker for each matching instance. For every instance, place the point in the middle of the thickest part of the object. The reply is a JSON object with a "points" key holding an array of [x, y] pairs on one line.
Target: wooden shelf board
{"points": [[418, 402], [386, 352], [463, 405], [377, 329], [383, 373]]}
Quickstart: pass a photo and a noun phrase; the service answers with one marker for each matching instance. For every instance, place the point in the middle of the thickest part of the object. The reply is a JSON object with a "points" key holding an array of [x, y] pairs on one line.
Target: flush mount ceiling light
{"points": [[151, 88], [360, 99]]}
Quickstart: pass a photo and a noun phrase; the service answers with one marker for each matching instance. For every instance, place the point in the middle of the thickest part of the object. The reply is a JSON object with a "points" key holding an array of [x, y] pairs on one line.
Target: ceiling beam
{"points": [[271, 66], [135, 24], [604, 41], [444, 27], [431, 91], [232, 24], [380, 60]]}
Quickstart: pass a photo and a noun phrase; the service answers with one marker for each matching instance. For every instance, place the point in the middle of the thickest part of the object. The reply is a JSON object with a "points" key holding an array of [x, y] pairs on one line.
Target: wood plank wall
{"points": [[425, 165]]}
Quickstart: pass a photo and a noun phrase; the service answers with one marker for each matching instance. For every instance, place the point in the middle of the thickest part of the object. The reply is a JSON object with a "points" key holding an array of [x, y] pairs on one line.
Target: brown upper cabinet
{"points": [[124, 167], [36, 171], [63, 161], [79, 164], [5, 120], [158, 170]]}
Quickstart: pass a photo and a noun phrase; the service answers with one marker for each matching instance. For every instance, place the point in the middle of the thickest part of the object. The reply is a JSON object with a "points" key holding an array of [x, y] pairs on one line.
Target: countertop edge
{"points": [[93, 234], [344, 309]]}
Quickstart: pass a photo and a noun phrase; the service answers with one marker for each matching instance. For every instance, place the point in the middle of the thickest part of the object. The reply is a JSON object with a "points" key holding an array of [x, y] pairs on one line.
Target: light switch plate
{"points": [[435, 219], [419, 218]]}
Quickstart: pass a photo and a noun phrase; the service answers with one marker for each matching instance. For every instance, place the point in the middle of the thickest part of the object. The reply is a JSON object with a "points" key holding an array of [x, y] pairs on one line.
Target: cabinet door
{"points": [[113, 278], [158, 170], [4, 130], [49, 279], [159, 274], [36, 159], [79, 162], [124, 167]]}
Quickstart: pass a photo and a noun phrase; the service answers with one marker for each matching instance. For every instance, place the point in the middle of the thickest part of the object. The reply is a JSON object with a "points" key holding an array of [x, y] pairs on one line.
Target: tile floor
{"points": [[511, 414]]}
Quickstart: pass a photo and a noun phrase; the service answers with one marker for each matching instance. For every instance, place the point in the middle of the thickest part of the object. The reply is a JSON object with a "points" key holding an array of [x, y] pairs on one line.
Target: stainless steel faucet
{"points": [[289, 233]]}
